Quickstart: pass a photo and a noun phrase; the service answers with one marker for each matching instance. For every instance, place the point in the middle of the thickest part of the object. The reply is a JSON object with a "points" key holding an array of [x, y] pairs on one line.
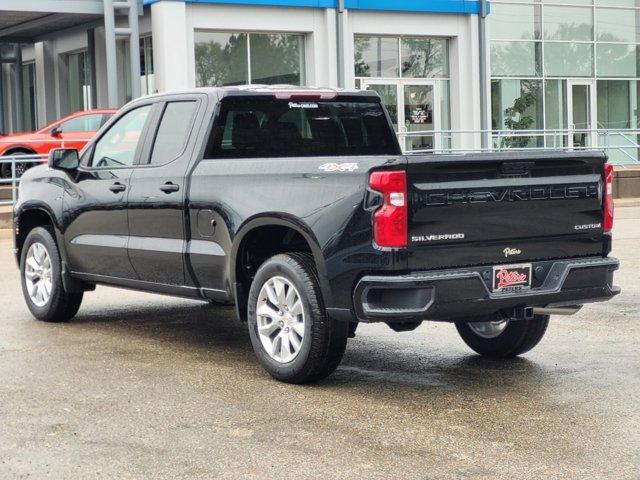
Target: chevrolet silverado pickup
{"points": [[298, 206]]}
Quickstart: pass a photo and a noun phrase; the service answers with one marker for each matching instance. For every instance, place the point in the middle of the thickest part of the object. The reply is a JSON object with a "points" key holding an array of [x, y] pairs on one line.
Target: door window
{"points": [[580, 115], [173, 131], [419, 116], [417, 108], [117, 147]]}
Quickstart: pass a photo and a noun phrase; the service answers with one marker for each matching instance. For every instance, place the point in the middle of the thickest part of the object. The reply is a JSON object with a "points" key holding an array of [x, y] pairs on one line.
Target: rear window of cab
{"points": [[257, 127]]}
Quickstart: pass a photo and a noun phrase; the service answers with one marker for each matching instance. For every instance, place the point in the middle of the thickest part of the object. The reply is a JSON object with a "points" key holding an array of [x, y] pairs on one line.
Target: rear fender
{"points": [[284, 220]]}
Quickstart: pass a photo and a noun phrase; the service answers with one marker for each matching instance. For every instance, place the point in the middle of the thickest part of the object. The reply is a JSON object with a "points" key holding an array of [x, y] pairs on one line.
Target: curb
{"points": [[626, 202]]}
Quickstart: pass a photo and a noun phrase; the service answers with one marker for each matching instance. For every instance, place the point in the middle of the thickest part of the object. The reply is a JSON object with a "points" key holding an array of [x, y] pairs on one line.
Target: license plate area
{"points": [[511, 278]]}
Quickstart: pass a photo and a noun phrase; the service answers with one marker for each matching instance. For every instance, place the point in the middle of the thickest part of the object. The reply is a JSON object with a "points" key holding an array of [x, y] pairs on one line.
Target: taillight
{"points": [[390, 220], [608, 197]]}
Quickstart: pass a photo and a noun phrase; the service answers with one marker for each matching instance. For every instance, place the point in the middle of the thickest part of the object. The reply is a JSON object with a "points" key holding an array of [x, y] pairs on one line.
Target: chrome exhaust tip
{"points": [[570, 310]]}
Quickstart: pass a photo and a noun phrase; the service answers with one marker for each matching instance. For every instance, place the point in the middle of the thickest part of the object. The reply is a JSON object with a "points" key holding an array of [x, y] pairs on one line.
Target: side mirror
{"points": [[56, 132], [64, 159]]}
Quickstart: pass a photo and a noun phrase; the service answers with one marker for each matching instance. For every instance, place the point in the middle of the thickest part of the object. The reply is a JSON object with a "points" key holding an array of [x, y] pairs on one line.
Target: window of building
{"points": [[565, 59], [584, 55], [173, 131], [147, 79], [568, 23], [517, 105], [78, 81], [411, 75], [237, 58], [29, 96], [516, 22], [377, 56], [514, 59]]}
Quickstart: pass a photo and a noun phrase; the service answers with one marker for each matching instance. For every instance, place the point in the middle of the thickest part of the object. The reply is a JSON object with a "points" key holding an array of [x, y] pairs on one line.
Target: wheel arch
{"points": [[19, 149], [282, 224], [33, 216]]}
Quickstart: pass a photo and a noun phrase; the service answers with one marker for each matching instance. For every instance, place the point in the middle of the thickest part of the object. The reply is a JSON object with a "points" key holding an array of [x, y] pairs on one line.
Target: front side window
{"points": [[117, 147], [84, 123], [237, 58], [173, 131], [250, 128]]}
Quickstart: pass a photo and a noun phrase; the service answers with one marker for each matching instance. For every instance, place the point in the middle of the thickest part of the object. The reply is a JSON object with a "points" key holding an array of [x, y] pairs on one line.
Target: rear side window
{"points": [[250, 128], [173, 132]]}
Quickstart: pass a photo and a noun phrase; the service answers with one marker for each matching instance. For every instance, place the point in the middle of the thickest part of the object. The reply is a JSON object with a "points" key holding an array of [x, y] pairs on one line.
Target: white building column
{"points": [[170, 39], [45, 82]]}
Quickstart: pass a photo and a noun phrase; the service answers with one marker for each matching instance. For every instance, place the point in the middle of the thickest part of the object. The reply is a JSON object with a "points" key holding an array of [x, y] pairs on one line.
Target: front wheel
{"points": [[292, 335], [41, 272], [503, 338]]}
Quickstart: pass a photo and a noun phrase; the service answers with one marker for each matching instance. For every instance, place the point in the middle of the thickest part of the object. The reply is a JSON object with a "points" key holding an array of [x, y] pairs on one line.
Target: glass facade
{"points": [[570, 68], [29, 96], [147, 79], [411, 75], [78, 82], [237, 58]]}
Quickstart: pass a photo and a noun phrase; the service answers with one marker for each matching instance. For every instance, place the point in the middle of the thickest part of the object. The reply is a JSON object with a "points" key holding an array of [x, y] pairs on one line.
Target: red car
{"points": [[73, 131]]}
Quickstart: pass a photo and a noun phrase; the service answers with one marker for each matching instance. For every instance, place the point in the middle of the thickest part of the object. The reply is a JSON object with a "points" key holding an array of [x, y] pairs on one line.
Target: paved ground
{"points": [[143, 386]]}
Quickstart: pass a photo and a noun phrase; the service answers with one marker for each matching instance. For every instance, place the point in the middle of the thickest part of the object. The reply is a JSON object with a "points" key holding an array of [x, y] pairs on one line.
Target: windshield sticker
{"points": [[303, 105]]}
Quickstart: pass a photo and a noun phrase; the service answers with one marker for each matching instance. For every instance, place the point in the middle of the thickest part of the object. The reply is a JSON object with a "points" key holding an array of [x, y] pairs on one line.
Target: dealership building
{"points": [[455, 75]]}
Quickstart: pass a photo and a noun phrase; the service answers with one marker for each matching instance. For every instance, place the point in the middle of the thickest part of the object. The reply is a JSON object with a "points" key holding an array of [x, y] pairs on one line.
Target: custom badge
{"points": [[338, 167]]}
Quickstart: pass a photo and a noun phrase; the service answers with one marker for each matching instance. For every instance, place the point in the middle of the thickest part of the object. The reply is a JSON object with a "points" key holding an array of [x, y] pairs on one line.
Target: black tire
{"points": [[5, 168], [517, 338], [61, 305], [353, 326], [325, 339]]}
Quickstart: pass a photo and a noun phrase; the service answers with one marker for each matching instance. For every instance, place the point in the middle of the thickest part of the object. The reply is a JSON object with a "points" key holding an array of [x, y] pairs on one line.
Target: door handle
{"points": [[169, 187], [117, 187]]}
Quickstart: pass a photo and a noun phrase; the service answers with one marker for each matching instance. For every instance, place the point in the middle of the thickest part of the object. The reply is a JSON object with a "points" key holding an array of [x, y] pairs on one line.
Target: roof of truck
{"points": [[279, 91]]}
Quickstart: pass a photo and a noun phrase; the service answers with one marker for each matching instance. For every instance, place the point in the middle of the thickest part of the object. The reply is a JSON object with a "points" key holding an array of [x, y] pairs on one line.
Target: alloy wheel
{"points": [[488, 329], [280, 319], [38, 274]]}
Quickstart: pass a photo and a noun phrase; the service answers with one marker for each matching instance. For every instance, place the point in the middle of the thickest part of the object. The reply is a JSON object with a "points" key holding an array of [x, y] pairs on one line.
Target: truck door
{"points": [[156, 201], [94, 200]]}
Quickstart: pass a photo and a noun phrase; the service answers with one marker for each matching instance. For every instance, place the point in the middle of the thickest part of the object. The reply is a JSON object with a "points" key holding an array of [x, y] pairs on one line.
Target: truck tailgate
{"points": [[499, 208]]}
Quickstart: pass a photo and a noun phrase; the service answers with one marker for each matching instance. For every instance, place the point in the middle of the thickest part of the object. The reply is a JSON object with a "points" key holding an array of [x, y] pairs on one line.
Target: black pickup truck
{"points": [[298, 206]]}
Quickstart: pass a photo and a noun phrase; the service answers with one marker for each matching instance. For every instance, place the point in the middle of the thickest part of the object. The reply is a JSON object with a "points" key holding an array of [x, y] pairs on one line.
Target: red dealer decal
{"points": [[506, 277]]}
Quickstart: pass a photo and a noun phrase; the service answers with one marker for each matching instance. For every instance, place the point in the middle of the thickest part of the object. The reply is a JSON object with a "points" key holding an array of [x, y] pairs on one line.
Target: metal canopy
{"points": [[25, 21], [31, 21]]}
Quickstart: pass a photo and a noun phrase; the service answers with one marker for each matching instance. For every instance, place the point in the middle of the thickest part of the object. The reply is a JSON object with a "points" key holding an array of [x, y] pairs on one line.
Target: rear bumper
{"points": [[466, 292]]}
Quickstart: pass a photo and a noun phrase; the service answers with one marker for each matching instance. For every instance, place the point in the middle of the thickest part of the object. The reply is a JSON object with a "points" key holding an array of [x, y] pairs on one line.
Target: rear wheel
{"points": [[503, 338], [41, 273], [292, 335]]}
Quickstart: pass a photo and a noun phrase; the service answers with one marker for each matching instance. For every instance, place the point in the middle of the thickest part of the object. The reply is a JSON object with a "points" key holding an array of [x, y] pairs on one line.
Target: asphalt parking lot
{"points": [[144, 386]]}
